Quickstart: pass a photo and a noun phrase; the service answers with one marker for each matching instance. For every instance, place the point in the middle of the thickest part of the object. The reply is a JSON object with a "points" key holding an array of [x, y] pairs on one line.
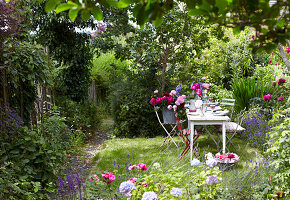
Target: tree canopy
{"points": [[270, 20]]}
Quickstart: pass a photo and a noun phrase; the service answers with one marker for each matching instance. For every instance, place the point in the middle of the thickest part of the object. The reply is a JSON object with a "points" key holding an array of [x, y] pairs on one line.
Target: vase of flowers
{"points": [[169, 103], [226, 161], [199, 87]]}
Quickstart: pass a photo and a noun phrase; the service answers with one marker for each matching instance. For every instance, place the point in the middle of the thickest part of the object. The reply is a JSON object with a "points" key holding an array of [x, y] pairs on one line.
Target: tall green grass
{"points": [[245, 89]]}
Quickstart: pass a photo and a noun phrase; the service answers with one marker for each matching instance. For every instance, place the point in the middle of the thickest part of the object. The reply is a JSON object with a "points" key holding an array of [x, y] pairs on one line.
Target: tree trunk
{"points": [[283, 55], [164, 66], [21, 99]]}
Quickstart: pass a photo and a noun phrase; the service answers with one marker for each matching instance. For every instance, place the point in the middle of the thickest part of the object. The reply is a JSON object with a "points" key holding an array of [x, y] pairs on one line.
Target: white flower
{"points": [[208, 156], [149, 196], [156, 165], [195, 162], [176, 192]]}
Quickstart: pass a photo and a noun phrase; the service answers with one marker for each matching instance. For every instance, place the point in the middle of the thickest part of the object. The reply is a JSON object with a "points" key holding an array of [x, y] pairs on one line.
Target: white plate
{"points": [[220, 113]]}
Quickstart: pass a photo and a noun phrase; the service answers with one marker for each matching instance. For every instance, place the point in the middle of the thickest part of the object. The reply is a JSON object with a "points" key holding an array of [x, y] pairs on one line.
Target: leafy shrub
{"points": [[33, 159], [82, 116], [279, 150], [133, 115]]}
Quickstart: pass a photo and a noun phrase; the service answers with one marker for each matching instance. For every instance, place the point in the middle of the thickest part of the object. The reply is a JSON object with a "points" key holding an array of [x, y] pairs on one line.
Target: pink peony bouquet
{"points": [[171, 100], [198, 86], [227, 158]]}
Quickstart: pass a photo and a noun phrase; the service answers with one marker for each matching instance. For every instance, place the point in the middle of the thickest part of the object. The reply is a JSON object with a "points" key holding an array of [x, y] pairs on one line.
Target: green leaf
{"points": [[221, 4], [97, 13], [197, 12], [63, 7], [125, 3], [73, 13], [237, 30], [85, 15], [50, 5], [158, 21]]}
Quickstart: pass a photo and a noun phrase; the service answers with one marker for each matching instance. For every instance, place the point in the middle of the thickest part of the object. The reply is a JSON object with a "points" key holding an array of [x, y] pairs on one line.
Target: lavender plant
{"points": [[9, 120], [71, 188], [256, 131]]}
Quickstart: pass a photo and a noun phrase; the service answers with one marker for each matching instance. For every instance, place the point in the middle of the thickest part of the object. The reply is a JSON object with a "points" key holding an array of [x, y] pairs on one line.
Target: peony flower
{"points": [[126, 188], [152, 101], [197, 85], [142, 166], [133, 179], [211, 162], [223, 156], [198, 92], [156, 165], [280, 98], [166, 94], [172, 93], [149, 196], [270, 61], [169, 107], [176, 192], [194, 162], [169, 99], [94, 177], [281, 80], [231, 155], [105, 175], [287, 49], [175, 107], [133, 167], [267, 97], [274, 83], [253, 37], [193, 87], [155, 91], [158, 100], [212, 179], [112, 178], [203, 78], [164, 98], [205, 85], [183, 96]]}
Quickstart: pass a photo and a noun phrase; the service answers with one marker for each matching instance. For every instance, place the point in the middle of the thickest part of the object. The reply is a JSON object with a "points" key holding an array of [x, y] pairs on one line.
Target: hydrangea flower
{"points": [[126, 188], [156, 165], [195, 162], [212, 179], [175, 192], [149, 196], [211, 162]]}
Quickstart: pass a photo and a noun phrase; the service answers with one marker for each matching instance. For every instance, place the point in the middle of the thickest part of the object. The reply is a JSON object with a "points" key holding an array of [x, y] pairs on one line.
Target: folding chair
{"points": [[234, 128], [170, 133], [229, 102], [185, 135]]}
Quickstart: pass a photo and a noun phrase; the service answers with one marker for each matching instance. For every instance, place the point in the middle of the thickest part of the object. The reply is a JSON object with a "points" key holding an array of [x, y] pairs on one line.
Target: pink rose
{"points": [[280, 98], [155, 91], [105, 175], [169, 107], [175, 107], [152, 101], [158, 100], [193, 87], [173, 92], [197, 85], [205, 85], [169, 99], [198, 92], [203, 78]]}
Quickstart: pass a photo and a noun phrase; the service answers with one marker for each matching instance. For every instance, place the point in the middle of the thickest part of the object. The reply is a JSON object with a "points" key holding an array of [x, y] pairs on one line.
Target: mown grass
{"points": [[121, 153]]}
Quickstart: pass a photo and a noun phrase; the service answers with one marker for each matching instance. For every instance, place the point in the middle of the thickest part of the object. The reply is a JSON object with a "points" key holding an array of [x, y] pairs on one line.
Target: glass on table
{"points": [[210, 100]]}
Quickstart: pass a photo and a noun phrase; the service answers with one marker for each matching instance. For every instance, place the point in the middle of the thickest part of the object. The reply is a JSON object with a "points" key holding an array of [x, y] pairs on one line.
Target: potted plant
{"points": [[169, 103]]}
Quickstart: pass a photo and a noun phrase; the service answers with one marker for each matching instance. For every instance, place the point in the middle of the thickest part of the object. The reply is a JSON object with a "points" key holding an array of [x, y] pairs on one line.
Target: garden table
{"points": [[207, 119]]}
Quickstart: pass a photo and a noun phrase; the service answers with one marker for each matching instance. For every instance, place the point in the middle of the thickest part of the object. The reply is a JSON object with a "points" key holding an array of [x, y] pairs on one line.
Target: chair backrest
{"points": [[228, 102]]}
